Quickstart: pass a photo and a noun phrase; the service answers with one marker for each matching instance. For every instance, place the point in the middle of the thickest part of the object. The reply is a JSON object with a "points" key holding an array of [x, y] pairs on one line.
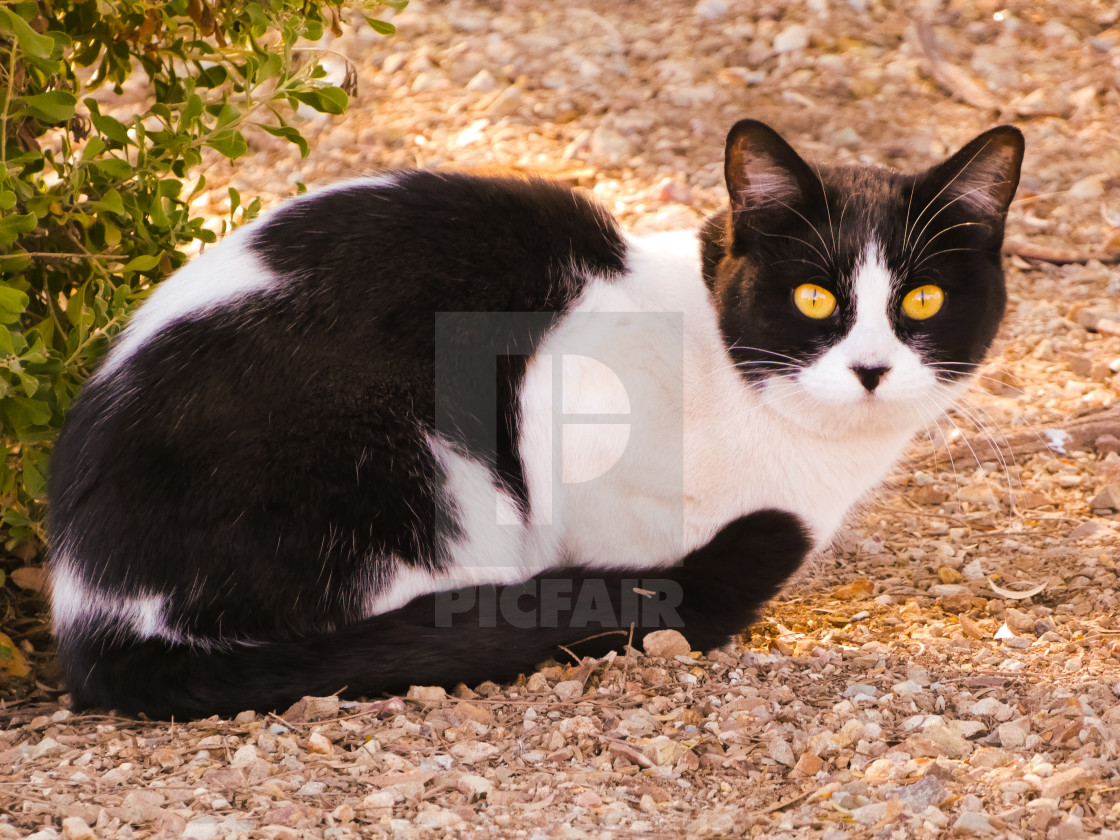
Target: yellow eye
{"points": [[923, 302], [814, 301]]}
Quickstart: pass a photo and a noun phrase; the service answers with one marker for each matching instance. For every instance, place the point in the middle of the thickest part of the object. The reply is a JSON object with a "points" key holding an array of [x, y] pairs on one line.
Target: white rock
{"points": [[483, 82], [611, 148], [202, 828], [472, 752], [75, 828], [973, 822], [711, 9], [792, 39]]}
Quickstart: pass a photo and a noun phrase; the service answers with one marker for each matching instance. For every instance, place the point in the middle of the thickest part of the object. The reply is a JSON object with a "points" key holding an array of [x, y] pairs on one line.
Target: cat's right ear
{"points": [[763, 172]]}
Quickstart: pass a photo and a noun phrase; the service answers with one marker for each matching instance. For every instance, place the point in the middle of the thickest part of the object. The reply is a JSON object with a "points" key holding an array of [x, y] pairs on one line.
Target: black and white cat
{"points": [[423, 428]]}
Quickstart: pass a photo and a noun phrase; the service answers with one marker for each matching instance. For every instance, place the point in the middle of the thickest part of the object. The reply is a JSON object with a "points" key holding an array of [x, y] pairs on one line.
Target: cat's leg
{"points": [[713, 593]]}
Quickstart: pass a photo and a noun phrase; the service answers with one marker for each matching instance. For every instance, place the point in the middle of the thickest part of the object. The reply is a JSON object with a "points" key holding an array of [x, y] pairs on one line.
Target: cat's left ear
{"points": [[983, 176], [764, 174]]}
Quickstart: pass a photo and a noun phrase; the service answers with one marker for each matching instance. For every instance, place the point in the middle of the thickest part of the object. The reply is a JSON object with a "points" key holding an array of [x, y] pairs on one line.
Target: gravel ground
{"points": [[950, 666]]}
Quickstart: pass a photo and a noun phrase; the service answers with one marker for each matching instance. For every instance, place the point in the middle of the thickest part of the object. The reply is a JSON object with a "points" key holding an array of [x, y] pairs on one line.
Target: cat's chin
{"points": [[865, 417]]}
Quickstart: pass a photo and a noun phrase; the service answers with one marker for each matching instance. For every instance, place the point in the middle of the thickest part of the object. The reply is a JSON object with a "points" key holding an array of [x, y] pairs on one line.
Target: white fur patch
{"points": [[491, 547], [703, 447], [77, 607], [222, 275]]}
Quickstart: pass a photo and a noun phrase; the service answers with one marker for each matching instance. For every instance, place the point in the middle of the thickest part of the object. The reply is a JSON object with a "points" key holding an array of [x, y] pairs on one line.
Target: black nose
{"points": [[870, 376]]}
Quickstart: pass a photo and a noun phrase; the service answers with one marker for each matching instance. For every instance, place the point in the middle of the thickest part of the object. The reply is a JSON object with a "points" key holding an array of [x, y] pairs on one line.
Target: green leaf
{"points": [[229, 143], [110, 201], [290, 134], [35, 463], [114, 168], [30, 41], [326, 100], [13, 303], [145, 262], [381, 27], [24, 412], [15, 224], [54, 106]]}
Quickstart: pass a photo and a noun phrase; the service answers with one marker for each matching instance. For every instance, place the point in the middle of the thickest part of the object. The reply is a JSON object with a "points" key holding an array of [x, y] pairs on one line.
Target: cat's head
{"points": [[856, 298]]}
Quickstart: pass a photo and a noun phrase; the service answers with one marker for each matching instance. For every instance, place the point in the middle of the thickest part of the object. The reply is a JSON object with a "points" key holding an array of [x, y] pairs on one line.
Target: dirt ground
{"points": [[949, 667]]}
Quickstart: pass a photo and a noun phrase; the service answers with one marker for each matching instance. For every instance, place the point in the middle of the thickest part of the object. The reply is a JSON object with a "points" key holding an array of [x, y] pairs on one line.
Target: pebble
{"points": [[473, 752], [75, 828], [506, 103], [793, 38], [1064, 782], [482, 82], [973, 822], [711, 9], [609, 147], [665, 644]]}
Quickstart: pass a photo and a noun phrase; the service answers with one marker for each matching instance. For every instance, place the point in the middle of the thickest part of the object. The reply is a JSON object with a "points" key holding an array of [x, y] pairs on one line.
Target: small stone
{"points": [[1108, 497], [861, 689], [990, 757], [1079, 365], [483, 82], [973, 822], [947, 574], [587, 799], [780, 750], [427, 694], [609, 147], [506, 103], [47, 746], [954, 745], [202, 828], [792, 39], [1064, 782], [665, 644], [1107, 443], [1011, 736], [318, 744], [75, 828], [568, 689], [378, 800], [473, 752], [711, 9], [1090, 528], [1089, 187], [431, 815], [922, 794], [809, 764]]}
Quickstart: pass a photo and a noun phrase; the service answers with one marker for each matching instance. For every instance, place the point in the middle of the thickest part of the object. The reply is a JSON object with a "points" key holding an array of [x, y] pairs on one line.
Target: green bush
{"points": [[93, 209]]}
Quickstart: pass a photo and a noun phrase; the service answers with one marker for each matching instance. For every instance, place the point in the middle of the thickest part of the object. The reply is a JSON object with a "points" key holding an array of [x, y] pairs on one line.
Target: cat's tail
{"points": [[469, 636]]}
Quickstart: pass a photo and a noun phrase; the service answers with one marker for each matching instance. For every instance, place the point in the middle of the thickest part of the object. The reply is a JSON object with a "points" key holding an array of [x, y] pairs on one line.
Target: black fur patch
{"points": [[259, 465]]}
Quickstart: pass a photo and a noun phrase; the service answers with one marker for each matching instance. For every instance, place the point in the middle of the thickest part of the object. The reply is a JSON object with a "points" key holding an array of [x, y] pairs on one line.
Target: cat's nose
{"points": [[870, 377]]}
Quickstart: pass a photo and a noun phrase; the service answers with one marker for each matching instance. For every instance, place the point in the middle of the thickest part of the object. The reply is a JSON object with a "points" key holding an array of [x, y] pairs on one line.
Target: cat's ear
{"points": [[983, 175], [763, 171]]}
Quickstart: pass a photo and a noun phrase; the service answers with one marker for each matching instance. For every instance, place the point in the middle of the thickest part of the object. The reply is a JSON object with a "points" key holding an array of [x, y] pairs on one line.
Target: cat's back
{"points": [[267, 418]]}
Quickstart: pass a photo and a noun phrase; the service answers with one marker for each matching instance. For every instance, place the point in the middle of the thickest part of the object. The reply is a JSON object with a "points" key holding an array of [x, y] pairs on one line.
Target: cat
{"points": [[424, 427]]}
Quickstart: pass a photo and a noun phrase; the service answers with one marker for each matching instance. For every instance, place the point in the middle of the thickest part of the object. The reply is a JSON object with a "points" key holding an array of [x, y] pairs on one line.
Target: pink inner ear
{"points": [[986, 182], [766, 185]]}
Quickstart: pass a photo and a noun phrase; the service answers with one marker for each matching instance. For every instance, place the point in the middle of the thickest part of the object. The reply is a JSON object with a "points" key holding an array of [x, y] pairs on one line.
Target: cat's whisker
{"points": [[812, 227], [949, 204], [917, 255], [949, 183], [978, 417], [823, 255]]}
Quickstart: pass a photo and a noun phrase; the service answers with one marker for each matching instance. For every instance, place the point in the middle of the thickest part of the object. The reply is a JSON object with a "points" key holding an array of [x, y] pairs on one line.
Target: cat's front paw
{"points": [[764, 547]]}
